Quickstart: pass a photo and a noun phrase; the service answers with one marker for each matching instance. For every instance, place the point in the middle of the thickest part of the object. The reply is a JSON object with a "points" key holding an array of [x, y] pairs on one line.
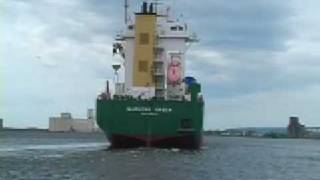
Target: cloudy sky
{"points": [[258, 60]]}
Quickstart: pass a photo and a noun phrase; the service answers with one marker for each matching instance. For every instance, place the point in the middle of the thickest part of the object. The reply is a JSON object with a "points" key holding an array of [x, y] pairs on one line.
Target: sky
{"points": [[257, 60]]}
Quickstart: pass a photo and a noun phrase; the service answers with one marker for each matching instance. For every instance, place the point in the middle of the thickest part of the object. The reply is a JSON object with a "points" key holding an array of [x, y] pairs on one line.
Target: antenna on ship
{"points": [[126, 7]]}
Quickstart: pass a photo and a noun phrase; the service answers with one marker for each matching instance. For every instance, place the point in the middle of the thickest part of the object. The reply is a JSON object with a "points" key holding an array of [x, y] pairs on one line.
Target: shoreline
{"points": [[46, 131]]}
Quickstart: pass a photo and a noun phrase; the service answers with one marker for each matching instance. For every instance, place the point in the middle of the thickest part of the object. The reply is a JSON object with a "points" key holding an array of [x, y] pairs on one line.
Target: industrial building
{"points": [[295, 129], [66, 123]]}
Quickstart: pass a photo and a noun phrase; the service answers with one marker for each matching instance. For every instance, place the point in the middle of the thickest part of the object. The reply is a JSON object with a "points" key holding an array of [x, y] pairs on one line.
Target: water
{"points": [[42, 155]]}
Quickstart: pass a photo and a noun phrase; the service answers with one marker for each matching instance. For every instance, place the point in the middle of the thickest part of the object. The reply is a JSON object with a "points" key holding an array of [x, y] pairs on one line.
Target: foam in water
{"points": [[72, 146]]}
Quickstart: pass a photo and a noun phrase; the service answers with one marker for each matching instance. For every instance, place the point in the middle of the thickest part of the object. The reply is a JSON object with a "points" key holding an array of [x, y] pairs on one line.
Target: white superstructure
{"points": [[159, 74]]}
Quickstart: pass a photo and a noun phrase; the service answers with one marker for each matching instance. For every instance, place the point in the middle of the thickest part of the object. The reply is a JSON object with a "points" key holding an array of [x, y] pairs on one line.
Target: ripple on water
{"points": [[220, 158]]}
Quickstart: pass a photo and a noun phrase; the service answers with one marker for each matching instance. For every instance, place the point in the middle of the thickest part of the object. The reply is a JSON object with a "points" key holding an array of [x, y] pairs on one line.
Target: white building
{"points": [[60, 124], [65, 123]]}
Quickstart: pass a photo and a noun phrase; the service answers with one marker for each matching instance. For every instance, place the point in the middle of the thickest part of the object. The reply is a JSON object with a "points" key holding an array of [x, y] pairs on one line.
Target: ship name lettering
{"points": [[138, 109], [148, 109], [164, 110]]}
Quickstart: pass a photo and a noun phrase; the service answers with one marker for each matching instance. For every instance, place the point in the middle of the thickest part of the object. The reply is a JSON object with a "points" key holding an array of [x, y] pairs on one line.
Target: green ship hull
{"points": [[129, 122]]}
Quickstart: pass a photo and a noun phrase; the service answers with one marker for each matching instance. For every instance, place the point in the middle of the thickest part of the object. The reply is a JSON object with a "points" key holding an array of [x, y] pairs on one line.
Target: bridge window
{"points": [[174, 28], [130, 27]]}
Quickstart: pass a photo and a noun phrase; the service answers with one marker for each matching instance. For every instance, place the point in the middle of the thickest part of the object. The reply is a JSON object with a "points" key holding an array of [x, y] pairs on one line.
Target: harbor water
{"points": [[43, 155]]}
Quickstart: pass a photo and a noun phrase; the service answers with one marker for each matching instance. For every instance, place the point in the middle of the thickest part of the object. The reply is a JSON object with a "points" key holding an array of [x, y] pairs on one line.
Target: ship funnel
{"points": [[144, 8], [151, 8]]}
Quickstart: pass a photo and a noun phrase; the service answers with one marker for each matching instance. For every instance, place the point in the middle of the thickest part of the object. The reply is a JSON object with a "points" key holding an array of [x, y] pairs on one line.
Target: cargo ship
{"points": [[156, 105]]}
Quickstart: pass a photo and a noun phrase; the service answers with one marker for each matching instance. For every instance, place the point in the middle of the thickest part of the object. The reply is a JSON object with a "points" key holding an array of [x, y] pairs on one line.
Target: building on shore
{"points": [[1, 123], [295, 129], [313, 132], [66, 123]]}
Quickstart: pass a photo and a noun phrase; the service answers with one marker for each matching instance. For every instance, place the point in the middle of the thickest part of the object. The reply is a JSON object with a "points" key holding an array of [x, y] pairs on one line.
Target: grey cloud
{"points": [[249, 35], [241, 25]]}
